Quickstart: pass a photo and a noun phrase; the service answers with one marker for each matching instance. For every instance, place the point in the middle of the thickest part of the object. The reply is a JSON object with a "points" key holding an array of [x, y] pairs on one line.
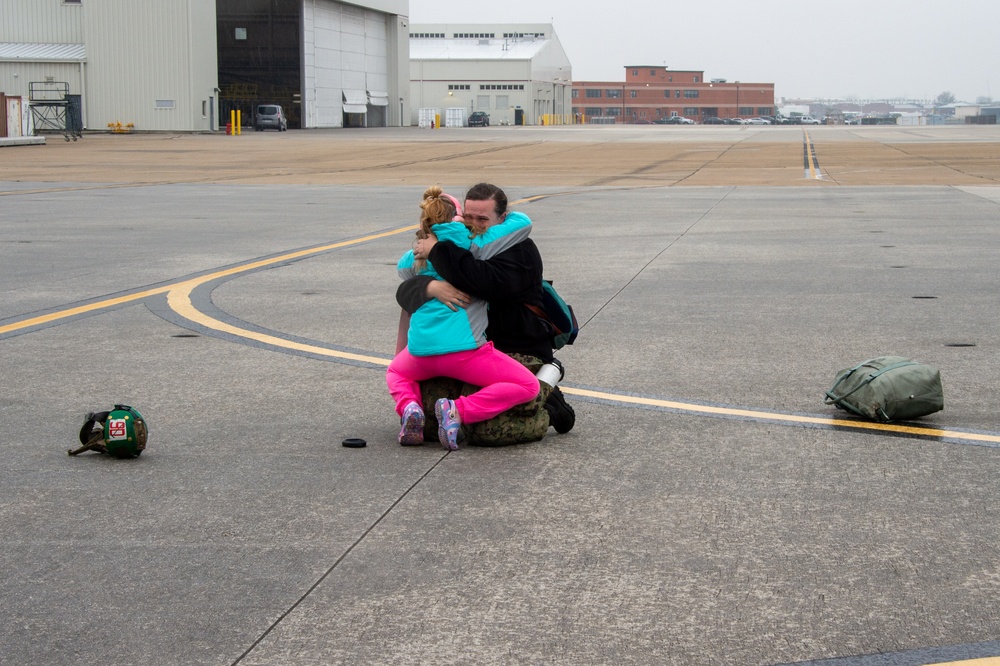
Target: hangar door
{"points": [[346, 60], [259, 46]]}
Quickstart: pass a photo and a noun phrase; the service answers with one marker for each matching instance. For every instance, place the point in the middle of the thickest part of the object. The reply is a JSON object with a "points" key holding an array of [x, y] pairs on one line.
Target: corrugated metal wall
{"points": [[41, 22], [151, 64], [38, 71], [155, 64]]}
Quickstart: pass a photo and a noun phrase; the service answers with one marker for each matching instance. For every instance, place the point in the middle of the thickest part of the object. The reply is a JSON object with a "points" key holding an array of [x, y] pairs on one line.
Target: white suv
{"points": [[808, 120]]}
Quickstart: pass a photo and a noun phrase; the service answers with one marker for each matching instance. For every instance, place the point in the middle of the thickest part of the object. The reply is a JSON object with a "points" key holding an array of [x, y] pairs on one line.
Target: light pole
{"points": [[737, 99]]}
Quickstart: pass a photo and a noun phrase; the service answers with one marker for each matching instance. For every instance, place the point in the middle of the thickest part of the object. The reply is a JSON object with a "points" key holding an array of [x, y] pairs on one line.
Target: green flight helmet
{"points": [[125, 432]]}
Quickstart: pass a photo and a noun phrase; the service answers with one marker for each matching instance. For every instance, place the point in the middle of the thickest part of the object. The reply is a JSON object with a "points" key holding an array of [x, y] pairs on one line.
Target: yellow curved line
{"points": [[192, 283], [179, 300]]}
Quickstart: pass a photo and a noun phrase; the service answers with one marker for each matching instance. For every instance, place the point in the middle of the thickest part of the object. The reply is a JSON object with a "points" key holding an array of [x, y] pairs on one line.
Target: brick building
{"points": [[651, 92]]}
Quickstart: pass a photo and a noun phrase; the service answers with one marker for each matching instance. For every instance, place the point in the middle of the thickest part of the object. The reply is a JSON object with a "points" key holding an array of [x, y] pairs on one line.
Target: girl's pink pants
{"points": [[505, 382]]}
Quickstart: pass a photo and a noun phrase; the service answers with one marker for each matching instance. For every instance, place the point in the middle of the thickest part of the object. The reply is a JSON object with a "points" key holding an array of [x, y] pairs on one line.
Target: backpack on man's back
{"points": [[559, 316]]}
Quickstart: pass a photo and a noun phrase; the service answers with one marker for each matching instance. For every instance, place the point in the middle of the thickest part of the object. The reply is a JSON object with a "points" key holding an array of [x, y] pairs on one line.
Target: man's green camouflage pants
{"points": [[526, 422]]}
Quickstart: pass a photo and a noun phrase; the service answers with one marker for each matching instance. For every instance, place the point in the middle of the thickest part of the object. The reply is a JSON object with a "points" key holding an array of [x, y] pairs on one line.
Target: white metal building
{"points": [[517, 73], [156, 64], [152, 64]]}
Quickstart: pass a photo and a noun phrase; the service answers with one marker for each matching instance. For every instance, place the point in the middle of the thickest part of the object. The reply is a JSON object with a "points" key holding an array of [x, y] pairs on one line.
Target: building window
{"points": [[745, 111], [501, 86], [593, 111], [666, 93], [677, 94], [696, 79], [426, 35], [764, 111], [574, 93], [613, 111], [164, 104], [633, 93], [72, 2], [474, 35], [691, 94], [635, 72], [691, 111], [458, 86], [652, 72], [593, 92], [613, 93]]}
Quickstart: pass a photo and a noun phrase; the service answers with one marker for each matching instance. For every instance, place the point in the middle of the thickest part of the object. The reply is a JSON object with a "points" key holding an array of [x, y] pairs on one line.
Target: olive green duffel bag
{"points": [[888, 388]]}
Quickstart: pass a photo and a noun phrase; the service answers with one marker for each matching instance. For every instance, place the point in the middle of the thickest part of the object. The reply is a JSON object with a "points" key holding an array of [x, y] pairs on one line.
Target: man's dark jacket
{"points": [[506, 281]]}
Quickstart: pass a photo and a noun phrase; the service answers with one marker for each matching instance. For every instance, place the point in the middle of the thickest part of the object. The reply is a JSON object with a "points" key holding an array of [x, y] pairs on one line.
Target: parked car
{"points": [[712, 120], [674, 120], [757, 121], [808, 120], [733, 121], [270, 116], [479, 119]]}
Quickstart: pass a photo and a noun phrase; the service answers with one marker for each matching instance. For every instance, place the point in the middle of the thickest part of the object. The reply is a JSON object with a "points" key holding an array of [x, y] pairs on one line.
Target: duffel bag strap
{"points": [[832, 399]]}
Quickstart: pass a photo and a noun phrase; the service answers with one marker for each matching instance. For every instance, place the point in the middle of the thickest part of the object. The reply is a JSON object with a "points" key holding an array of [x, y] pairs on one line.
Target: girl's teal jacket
{"points": [[437, 329]]}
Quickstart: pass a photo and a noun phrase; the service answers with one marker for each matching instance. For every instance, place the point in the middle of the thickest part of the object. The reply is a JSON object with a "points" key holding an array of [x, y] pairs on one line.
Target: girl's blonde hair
{"points": [[435, 208]]}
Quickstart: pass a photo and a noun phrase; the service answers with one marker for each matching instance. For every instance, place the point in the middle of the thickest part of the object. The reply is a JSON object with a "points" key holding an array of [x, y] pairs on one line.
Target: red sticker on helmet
{"points": [[116, 429]]}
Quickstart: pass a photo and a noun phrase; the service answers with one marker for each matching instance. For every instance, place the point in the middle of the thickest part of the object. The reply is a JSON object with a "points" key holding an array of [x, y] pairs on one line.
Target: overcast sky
{"points": [[868, 49]]}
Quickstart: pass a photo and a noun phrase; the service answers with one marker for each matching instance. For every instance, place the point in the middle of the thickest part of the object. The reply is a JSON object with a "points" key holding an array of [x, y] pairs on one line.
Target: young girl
{"points": [[442, 342]]}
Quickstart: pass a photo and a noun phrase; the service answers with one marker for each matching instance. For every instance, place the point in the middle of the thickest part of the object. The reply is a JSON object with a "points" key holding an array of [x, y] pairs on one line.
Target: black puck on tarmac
{"points": [[354, 443]]}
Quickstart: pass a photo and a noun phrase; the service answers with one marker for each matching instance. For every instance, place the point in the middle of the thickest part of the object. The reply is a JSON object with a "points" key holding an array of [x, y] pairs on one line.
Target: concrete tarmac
{"points": [[707, 508]]}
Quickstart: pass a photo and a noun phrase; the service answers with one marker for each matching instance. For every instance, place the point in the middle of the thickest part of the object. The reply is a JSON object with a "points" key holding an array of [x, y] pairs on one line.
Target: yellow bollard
{"points": [[232, 121], [239, 124]]}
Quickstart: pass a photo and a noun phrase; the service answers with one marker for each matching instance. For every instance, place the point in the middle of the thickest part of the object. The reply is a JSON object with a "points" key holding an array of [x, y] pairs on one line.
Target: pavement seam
{"points": [[340, 559], [656, 256]]}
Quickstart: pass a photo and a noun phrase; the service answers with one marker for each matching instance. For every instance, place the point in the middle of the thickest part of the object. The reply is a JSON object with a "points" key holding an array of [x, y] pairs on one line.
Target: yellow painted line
{"points": [[985, 661], [783, 418], [179, 299], [810, 157], [192, 284], [63, 314]]}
